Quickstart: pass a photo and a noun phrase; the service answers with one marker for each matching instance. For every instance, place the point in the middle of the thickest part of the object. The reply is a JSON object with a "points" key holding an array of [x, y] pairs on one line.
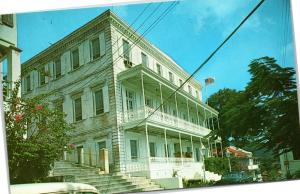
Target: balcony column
{"points": [[212, 121], [161, 100], [192, 147], [203, 158], [187, 106], [198, 121], [143, 94], [166, 147], [180, 149], [147, 146]]}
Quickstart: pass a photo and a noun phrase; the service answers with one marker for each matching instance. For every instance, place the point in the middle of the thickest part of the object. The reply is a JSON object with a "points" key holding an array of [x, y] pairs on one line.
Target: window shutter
{"points": [[119, 46], [105, 98], [32, 80], [81, 55], [65, 63], [102, 44], [86, 52]]}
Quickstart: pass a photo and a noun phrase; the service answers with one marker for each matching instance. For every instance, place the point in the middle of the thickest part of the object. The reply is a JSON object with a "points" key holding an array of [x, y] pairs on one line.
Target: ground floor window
{"points": [[101, 145], [152, 149], [134, 149]]}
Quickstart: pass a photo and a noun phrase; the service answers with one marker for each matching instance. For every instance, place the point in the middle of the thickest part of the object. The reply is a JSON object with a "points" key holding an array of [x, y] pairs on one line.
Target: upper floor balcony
{"points": [[148, 97]]}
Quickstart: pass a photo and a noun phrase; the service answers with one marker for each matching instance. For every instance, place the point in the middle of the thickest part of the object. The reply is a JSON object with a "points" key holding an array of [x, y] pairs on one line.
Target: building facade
{"points": [[9, 53], [115, 87]]}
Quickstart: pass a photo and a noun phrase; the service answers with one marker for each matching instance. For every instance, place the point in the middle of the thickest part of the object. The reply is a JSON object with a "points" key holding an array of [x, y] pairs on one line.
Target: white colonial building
{"points": [[109, 82]]}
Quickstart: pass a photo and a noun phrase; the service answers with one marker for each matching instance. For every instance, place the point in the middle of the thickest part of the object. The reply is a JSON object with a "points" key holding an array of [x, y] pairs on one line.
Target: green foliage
{"points": [[36, 136], [265, 114], [221, 165], [217, 165], [196, 183]]}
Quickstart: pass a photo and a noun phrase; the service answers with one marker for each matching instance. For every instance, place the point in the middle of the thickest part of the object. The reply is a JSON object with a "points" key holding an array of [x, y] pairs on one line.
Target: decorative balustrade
{"points": [[164, 118]]}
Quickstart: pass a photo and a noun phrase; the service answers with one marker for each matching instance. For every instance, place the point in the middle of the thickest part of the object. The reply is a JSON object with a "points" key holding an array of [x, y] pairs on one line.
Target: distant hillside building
{"points": [[109, 80]]}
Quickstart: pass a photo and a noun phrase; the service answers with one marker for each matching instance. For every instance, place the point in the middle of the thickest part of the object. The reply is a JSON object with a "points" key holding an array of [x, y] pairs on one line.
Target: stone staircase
{"points": [[105, 183]]}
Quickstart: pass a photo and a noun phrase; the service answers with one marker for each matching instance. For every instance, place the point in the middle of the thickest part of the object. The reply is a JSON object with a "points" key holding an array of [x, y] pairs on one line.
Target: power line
{"points": [[205, 62], [141, 13], [137, 40]]}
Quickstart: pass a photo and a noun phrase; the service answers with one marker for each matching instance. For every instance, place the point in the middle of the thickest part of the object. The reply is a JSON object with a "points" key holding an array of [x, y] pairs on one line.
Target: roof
{"points": [[38, 188]]}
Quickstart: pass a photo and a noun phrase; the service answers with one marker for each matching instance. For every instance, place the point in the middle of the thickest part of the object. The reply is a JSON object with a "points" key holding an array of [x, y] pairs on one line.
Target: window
{"points": [[8, 20], [180, 82], [158, 69], [129, 100], [126, 50], [77, 109], [98, 102], [145, 59], [75, 58], [42, 77], [57, 68], [101, 145], [28, 84], [188, 149], [152, 149], [177, 148], [133, 149], [95, 48], [190, 89], [149, 102], [171, 78]]}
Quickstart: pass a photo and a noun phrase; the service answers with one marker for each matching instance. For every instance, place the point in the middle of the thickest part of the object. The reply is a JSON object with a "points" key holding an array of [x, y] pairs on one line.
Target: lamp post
{"points": [[208, 81]]}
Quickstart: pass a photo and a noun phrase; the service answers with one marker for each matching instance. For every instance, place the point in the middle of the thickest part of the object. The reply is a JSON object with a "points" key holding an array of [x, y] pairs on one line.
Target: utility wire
{"points": [[172, 6], [131, 25], [203, 63]]}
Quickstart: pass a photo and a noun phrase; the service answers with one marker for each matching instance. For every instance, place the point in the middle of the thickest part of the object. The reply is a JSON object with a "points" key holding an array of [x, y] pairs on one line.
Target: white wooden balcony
{"points": [[165, 119]]}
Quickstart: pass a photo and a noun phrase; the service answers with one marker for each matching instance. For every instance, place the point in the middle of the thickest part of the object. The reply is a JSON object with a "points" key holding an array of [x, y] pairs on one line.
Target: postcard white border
{"points": [[17, 6]]}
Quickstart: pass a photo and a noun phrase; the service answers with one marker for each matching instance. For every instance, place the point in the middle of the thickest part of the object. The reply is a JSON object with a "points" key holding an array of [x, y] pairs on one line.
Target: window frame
{"points": [[154, 153], [72, 58], [125, 42], [74, 108], [28, 83], [92, 48], [55, 68], [171, 77], [8, 20], [159, 69], [145, 57], [134, 157], [41, 73], [94, 101]]}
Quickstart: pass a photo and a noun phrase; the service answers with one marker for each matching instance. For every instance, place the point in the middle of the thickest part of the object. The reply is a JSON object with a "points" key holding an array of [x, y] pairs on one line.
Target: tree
{"points": [[266, 112], [36, 136]]}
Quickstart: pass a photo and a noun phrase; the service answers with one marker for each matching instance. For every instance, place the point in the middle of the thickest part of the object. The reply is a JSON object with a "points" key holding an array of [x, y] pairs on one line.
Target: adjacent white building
{"points": [[108, 80], [9, 53]]}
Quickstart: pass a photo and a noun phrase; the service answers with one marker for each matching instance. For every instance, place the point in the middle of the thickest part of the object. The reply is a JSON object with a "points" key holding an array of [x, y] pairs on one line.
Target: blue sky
{"points": [[188, 34]]}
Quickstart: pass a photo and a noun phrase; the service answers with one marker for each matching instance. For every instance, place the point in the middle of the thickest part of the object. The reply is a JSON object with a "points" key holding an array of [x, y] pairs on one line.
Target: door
{"points": [[80, 154]]}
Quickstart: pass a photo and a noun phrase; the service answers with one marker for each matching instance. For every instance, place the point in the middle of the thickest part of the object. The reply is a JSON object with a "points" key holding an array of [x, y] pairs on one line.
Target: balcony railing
{"points": [[164, 118]]}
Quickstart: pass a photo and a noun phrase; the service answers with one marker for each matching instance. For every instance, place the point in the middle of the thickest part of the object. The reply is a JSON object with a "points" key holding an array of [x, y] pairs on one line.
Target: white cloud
{"points": [[207, 12]]}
